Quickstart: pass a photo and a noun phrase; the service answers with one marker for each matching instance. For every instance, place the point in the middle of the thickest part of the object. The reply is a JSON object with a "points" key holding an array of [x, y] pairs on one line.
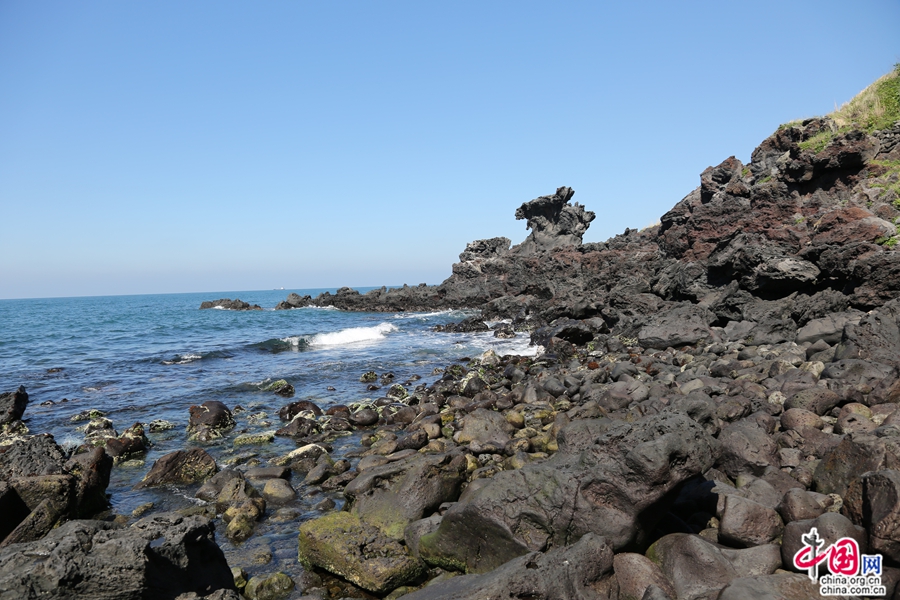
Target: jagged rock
{"points": [[158, 557], [229, 304], [553, 222], [12, 405], [294, 300], [35, 471], [485, 249]]}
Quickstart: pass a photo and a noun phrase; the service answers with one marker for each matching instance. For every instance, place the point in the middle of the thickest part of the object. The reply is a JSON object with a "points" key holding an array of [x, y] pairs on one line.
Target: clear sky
{"points": [[200, 146]]}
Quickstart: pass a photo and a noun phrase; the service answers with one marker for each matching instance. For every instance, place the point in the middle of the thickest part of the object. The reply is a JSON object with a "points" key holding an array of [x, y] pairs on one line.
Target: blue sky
{"points": [[151, 147]]}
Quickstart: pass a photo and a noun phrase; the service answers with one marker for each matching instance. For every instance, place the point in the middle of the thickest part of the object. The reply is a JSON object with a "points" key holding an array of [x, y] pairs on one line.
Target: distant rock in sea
{"points": [[229, 304]]}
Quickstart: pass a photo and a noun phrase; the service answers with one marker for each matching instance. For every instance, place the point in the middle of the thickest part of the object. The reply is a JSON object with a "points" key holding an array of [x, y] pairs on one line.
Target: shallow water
{"points": [[140, 358]]}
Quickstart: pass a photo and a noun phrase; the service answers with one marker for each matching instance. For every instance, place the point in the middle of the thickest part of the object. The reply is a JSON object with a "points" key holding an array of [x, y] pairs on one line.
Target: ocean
{"points": [[147, 357]]}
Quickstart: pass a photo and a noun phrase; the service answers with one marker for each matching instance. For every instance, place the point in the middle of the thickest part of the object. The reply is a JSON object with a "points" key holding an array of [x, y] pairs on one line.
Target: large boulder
{"points": [[607, 489], [41, 482], [342, 544], [686, 324], [158, 557], [577, 572], [698, 568], [393, 495]]}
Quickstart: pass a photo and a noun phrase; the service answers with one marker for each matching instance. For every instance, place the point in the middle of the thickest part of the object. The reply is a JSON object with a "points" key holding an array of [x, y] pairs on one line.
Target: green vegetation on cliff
{"points": [[875, 108]]}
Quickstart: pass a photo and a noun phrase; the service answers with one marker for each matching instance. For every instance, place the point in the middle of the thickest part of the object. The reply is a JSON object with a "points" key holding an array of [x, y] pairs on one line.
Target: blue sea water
{"points": [[140, 358]]}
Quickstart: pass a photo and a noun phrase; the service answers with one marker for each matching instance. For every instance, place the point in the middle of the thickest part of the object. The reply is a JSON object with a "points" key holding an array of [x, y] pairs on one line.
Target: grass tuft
{"points": [[875, 108]]}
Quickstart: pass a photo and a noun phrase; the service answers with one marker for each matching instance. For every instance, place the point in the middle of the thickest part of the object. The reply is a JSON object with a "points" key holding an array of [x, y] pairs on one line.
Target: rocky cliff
{"points": [[805, 230]]}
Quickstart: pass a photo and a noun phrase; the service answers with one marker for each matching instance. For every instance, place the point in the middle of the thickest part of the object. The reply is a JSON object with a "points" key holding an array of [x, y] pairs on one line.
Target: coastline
{"points": [[712, 388]]}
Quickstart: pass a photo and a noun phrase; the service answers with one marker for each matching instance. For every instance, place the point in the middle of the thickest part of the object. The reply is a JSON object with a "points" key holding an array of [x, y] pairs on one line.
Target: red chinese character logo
{"points": [[842, 556]]}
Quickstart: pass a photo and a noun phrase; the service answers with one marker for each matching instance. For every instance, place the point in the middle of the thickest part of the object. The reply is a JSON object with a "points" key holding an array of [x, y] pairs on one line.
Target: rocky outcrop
{"points": [[41, 486], [161, 556], [229, 304], [553, 222]]}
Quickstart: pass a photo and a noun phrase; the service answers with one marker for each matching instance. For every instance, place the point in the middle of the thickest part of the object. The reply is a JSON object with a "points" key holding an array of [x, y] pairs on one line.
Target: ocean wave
{"points": [[276, 345], [183, 359], [449, 312], [352, 335]]}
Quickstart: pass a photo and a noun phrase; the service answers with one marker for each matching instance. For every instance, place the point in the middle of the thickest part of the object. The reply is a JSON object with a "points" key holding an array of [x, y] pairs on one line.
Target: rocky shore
{"points": [[711, 389]]}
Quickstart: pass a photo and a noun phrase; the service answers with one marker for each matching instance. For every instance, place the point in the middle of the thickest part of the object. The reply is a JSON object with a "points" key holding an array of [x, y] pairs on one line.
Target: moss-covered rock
{"points": [[269, 587], [342, 544], [247, 439]]}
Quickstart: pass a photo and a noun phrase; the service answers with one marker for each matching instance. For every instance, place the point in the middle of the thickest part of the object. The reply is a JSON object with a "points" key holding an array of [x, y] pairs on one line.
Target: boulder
{"points": [[607, 489], [157, 557], [342, 544], [683, 325], [210, 420], [12, 405], [697, 568], [577, 572], [393, 495], [180, 467]]}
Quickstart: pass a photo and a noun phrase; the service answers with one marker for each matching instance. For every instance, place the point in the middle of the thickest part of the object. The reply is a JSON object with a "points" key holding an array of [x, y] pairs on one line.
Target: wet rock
{"points": [[278, 491], [210, 420], [229, 304], [363, 417], [133, 443], [12, 405], [180, 467], [342, 544], [299, 427], [159, 557], [287, 413], [280, 387], [269, 587]]}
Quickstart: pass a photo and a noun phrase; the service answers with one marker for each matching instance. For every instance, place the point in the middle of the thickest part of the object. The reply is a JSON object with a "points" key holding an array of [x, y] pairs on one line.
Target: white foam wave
{"points": [[518, 345], [352, 335], [437, 313], [183, 359], [293, 340]]}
